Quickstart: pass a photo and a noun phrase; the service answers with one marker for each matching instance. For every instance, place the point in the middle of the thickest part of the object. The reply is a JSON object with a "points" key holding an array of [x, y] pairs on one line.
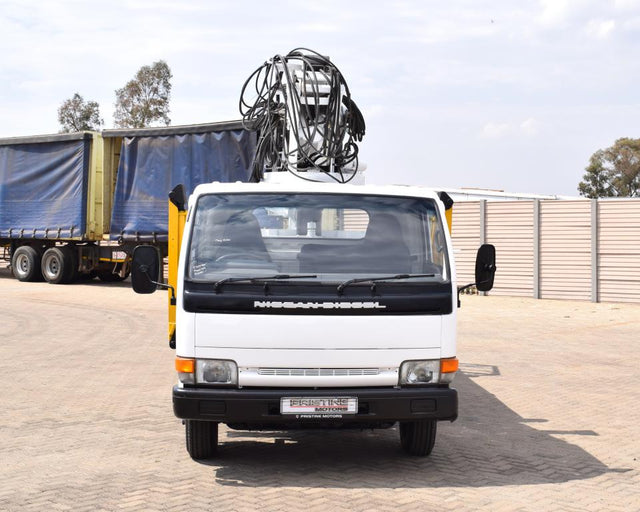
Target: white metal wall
{"points": [[355, 220], [565, 250], [466, 238], [509, 226], [555, 249], [619, 250]]}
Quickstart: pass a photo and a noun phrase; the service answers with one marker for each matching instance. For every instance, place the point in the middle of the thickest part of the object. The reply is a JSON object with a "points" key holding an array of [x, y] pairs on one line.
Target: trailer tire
{"points": [[418, 437], [57, 265], [202, 438], [25, 264]]}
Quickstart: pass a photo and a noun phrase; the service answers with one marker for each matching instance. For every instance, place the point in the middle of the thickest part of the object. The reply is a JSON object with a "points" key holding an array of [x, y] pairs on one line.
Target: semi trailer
{"points": [[75, 205]]}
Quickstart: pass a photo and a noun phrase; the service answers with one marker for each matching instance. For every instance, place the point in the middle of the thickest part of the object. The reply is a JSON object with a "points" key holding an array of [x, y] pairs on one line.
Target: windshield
{"points": [[334, 237]]}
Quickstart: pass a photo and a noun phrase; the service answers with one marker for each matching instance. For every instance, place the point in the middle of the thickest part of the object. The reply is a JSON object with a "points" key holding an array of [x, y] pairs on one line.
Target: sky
{"points": [[503, 95]]}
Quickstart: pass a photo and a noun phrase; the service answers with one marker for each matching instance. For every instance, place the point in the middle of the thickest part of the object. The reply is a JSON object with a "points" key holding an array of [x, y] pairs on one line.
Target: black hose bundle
{"points": [[302, 98]]}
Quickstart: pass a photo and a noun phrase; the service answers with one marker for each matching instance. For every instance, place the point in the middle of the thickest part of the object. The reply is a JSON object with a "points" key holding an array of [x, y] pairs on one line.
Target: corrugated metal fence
{"points": [[578, 249]]}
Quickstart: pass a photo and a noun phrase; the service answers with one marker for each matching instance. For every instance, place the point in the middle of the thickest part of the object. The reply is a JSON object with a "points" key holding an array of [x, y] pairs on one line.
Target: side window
{"points": [[338, 223], [436, 239]]}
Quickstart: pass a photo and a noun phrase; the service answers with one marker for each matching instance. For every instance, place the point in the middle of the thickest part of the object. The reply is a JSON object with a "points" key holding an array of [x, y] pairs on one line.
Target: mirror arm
{"points": [[462, 288], [167, 287], [163, 286]]}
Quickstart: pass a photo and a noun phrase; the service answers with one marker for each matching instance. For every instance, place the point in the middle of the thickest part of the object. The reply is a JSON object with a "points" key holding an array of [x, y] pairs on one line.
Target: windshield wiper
{"points": [[260, 279], [343, 285]]}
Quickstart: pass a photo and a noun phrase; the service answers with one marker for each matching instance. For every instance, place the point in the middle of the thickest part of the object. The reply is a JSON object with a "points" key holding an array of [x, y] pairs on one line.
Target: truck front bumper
{"points": [[261, 407]]}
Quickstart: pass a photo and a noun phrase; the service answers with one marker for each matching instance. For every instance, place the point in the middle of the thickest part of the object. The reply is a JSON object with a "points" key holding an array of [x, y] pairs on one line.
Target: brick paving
{"points": [[549, 417]]}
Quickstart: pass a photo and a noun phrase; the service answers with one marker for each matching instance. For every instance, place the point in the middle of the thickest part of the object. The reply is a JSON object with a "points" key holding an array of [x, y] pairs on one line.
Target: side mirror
{"points": [[178, 197], [485, 267], [145, 269]]}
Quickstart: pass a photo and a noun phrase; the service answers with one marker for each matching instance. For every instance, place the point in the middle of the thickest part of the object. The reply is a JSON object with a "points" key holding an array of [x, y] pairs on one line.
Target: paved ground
{"points": [[549, 417]]}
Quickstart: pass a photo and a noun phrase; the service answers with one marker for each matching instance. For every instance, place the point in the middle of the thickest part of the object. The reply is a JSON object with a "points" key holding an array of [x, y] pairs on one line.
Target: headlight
{"points": [[415, 373], [216, 371], [432, 371]]}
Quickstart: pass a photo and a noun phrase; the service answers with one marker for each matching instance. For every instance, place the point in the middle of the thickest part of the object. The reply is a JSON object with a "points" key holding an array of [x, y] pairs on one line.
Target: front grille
{"points": [[318, 372]]}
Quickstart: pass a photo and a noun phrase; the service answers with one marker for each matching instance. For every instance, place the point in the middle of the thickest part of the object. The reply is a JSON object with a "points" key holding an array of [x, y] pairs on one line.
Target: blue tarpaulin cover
{"points": [[43, 187], [150, 166]]}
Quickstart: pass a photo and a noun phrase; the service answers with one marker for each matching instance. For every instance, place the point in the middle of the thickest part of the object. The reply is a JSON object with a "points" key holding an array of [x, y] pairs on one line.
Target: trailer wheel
{"points": [[57, 265], [418, 437], [25, 264], [202, 438]]}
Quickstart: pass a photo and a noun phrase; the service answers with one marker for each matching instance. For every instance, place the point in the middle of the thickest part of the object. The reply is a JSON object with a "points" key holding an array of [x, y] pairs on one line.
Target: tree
{"points": [[145, 99], [76, 115], [613, 172]]}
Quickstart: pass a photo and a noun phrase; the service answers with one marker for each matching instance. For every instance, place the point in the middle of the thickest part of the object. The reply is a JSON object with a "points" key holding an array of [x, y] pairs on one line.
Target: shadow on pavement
{"points": [[489, 445], [5, 273]]}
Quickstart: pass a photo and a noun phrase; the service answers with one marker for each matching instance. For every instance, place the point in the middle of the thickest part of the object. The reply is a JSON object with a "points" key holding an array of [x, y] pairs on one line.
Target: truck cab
{"points": [[313, 306]]}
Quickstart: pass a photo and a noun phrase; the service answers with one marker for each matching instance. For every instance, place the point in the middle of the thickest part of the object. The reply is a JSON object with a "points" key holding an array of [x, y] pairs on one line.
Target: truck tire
{"points": [[418, 437], [202, 438], [57, 265], [25, 264]]}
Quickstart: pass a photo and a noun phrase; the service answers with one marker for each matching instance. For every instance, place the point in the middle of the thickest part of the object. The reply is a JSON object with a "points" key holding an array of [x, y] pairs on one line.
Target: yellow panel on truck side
{"points": [[103, 166], [95, 192], [448, 213], [177, 220], [111, 159]]}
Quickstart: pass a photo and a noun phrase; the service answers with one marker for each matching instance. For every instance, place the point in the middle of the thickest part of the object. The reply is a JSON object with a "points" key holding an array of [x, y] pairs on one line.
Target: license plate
{"points": [[118, 255], [329, 405]]}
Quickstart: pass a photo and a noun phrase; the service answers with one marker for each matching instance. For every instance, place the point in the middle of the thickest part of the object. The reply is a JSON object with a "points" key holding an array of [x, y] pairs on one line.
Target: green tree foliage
{"points": [[145, 99], [76, 115], [613, 172]]}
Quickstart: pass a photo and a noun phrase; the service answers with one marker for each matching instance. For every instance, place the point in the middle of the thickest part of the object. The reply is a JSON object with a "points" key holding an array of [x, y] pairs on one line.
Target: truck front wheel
{"points": [[202, 438], [418, 437], [25, 264]]}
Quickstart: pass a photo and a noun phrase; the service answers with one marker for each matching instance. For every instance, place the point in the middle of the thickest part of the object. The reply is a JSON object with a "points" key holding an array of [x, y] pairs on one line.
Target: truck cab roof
{"points": [[300, 186]]}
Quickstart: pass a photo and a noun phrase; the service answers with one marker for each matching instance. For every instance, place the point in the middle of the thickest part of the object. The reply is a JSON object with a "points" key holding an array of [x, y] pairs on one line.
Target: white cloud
{"points": [[495, 130], [530, 126], [554, 12], [573, 13], [626, 5], [498, 76], [600, 29], [318, 27], [631, 24], [376, 111]]}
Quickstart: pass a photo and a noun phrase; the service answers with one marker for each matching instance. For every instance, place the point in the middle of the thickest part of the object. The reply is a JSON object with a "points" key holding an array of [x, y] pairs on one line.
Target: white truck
{"points": [[302, 300], [314, 305]]}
